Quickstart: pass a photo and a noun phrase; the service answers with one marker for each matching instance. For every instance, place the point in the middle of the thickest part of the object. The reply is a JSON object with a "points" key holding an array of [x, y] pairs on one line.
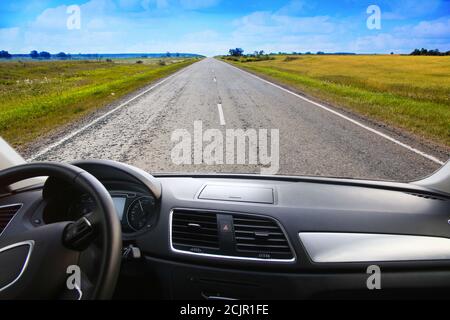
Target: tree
{"points": [[238, 52], [425, 52], [34, 54], [44, 55], [62, 56], [5, 55]]}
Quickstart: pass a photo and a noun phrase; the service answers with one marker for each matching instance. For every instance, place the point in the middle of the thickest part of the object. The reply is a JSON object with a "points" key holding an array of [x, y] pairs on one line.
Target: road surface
{"points": [[312, 140]]}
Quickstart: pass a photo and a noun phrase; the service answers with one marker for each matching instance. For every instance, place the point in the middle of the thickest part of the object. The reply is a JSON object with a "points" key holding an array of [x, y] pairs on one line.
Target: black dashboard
{"points": [[245, 237]]}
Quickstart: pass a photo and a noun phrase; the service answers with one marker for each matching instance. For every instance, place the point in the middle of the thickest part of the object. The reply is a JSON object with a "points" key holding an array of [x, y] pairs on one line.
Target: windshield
{"points": [[356, 89]]}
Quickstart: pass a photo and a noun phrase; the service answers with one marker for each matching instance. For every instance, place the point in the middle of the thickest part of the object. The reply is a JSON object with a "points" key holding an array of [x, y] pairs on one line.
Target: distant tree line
{"points": [[5, 55], [425, 52], [237, 54], [44, 55]]}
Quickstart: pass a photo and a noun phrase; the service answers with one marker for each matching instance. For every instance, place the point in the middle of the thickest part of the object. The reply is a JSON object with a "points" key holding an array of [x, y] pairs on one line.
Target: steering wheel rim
{"points": [[105, 220]]}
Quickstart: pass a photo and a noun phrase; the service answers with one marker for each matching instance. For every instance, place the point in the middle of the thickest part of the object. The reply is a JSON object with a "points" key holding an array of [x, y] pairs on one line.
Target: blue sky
{"points": [[211, 27]]}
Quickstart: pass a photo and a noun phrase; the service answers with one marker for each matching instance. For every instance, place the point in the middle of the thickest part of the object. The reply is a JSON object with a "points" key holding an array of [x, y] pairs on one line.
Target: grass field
{"points": [[407, 92], [39, 96]]}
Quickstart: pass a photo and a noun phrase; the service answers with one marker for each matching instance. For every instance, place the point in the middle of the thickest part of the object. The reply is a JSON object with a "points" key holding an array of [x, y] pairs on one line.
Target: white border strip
{"points": [[76, 132], [423, 154]]}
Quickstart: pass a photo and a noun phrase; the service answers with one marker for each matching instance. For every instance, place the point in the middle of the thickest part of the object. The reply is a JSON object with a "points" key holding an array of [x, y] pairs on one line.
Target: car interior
{"points": [[220, 158], [218, 236]]}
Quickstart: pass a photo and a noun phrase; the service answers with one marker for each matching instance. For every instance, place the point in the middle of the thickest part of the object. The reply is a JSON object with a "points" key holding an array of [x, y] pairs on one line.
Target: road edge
{"points": [[65, 132]]}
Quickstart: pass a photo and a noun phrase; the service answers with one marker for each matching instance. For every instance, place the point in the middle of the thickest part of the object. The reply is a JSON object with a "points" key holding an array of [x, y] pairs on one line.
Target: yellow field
{"points": [[408, 92]]}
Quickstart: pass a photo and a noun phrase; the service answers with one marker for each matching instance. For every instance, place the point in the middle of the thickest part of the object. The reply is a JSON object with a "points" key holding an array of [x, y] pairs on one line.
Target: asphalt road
{"points": [[312, 140]]}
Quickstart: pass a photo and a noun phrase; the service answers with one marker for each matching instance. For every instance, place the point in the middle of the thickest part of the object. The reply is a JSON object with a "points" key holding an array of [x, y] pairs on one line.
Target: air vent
{"points": [[262, 238], [427, 196], [6, 215], [195, 231]]}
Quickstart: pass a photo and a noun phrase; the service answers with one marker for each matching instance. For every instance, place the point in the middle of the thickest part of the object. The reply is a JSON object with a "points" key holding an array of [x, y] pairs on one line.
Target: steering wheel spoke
{"points": [[80, 234]]}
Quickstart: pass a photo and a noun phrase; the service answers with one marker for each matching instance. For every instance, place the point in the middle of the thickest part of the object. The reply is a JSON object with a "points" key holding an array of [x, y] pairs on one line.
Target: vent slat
{"points": [[183, 247], [177, 234], [191, 240], [195, 231], [263, 246], [246, 233], [258, 237], [256, 226], [187, 229]]}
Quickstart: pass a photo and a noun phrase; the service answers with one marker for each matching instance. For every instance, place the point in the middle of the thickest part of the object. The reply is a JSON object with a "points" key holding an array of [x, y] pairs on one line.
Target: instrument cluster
{"points": [[136, 211]]}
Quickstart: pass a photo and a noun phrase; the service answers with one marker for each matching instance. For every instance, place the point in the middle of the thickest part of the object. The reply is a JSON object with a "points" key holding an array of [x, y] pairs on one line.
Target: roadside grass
{"points": [[37, 97], [408, 92]]}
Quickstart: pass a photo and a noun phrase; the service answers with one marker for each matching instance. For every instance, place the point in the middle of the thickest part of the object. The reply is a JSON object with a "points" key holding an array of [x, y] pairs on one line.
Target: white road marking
{"points": [[381, 134], [74, 133], [222, 118], [215, 80]]}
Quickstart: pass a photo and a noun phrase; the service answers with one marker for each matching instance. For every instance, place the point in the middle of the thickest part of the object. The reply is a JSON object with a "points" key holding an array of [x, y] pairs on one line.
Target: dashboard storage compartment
{"points": [[237, 193]]}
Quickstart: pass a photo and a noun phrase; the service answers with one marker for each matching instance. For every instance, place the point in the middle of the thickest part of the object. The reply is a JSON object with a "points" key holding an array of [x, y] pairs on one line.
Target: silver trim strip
{"points": [[15, 214], [224, 256], [87, 222], [80, 293], [324, 247], [29, 243]]}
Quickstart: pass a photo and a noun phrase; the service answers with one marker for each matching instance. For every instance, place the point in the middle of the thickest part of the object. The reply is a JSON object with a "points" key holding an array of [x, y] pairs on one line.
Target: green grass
{"points": [[410, 93], [37, 97]]}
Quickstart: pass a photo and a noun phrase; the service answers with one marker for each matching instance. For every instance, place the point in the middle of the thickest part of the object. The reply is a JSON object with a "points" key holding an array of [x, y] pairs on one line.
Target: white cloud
{"points": [[427, 29], [273, 32], [198, 4], [158, 4], [9, 36], [427, 34], [386, 42], [293, 7], [269, 24]]}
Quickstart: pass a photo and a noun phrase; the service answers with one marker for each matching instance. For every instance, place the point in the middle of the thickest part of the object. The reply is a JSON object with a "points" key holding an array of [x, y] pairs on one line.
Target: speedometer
{"points": [[141, 213]]}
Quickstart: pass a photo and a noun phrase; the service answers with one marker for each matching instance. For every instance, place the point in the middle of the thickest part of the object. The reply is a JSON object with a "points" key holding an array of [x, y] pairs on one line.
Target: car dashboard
{"points": [[256, 237]]}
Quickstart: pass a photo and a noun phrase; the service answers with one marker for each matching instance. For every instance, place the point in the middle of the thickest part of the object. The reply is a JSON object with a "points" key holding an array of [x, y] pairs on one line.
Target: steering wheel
{"points": [[37, 263]]}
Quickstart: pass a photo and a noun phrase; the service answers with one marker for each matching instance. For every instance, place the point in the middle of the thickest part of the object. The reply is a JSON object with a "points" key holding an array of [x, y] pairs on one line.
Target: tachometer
{"points": [[140, 213]]}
